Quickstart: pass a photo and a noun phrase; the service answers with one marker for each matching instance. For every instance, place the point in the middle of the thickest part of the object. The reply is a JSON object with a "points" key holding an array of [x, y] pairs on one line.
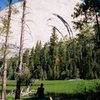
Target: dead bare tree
{"points": [[66, 25], [18, 85], [3, 97]]}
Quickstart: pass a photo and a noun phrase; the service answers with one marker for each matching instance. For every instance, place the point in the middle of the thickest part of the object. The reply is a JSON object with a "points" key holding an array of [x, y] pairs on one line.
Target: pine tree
{"points": [[90, 12], [26, 57], [37, 54], [37, 59], [53, 51], [31, 62]]}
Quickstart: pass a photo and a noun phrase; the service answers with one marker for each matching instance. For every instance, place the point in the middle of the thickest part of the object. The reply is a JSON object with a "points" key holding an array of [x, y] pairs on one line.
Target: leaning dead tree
{"points": [[7, 30], [66, 25], [19, 69]]}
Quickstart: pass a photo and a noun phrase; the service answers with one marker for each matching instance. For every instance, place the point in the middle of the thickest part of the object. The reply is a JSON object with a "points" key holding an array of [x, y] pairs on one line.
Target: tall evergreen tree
{"points": [[53, 50], [31, 61], [26, 57], [37, 59], [45, 59], [88, 12], [37, 53], [12, 65]]}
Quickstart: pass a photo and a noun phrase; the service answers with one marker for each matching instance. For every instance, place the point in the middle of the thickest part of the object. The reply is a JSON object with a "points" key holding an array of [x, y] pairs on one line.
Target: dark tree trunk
{"points": [[18, 90]]}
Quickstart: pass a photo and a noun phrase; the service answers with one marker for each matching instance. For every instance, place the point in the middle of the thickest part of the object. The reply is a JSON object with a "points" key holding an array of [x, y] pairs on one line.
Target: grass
{"points": [[68, 87], [56, 86]]}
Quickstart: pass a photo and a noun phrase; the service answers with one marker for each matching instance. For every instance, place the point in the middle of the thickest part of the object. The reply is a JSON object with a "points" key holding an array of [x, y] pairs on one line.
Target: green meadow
{"points": [[54, 87]]}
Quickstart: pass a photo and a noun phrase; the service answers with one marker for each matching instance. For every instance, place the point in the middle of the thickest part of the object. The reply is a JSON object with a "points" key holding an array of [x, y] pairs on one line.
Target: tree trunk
{"points": [[3, 97], [4, 80], [98, 31], [18, 90], [18, 85]]}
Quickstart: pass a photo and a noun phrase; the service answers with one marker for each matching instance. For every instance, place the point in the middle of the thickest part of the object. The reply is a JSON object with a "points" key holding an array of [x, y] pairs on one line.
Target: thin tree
{"points": [[3, 97], [18, 85]]}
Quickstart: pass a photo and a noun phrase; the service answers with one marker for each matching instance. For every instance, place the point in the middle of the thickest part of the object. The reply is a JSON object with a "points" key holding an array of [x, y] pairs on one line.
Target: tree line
{"points": [[64, 59]]}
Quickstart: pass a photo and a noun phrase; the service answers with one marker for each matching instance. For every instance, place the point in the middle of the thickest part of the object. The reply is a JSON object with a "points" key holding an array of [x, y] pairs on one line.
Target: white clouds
{"points": [[37, 19]]}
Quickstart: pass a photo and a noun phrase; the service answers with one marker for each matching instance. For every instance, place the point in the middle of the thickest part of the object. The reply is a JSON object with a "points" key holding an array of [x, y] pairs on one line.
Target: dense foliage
{"points": [[64, 59]]}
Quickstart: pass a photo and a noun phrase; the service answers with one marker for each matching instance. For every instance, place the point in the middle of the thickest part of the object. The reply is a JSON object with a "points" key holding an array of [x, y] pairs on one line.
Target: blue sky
{"points": [[3, 3]]}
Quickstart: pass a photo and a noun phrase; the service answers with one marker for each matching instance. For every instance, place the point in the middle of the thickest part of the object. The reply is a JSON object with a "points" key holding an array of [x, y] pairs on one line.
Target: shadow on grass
{"points": [[80, 96]]}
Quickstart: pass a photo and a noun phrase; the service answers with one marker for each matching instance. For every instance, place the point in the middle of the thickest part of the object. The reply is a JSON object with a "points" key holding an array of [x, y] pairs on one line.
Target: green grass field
{"points": [[56, 86]]}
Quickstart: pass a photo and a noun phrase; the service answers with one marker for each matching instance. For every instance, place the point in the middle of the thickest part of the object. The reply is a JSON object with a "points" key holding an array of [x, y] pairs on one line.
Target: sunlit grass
{"points": [[55, 86], [65, 86]]}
